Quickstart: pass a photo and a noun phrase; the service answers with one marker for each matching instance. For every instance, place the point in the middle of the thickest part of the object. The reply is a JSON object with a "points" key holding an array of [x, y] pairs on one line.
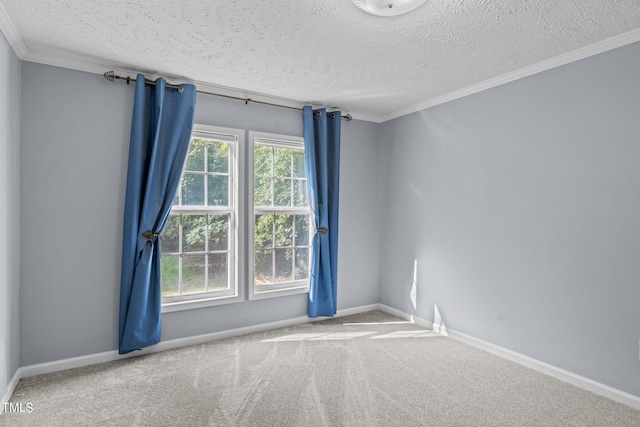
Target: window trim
{"points": [[236, 139], [275, 290]]}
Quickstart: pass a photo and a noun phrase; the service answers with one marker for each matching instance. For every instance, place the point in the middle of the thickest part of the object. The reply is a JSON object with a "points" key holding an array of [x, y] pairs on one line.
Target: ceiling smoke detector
{"points": [[388, 7]]}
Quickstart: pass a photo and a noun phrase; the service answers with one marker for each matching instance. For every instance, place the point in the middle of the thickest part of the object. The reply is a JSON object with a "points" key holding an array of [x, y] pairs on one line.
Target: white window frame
{"points": [[236, 209], [287, 288]]}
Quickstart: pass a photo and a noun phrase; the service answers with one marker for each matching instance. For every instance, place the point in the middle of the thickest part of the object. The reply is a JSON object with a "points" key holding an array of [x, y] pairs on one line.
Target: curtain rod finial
{"points": [[348, 117], [110, 75]]}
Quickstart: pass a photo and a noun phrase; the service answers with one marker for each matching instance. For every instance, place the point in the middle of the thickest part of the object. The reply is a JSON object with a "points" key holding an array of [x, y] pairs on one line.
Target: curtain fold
{"points": [[160, 133], [322, 160]]}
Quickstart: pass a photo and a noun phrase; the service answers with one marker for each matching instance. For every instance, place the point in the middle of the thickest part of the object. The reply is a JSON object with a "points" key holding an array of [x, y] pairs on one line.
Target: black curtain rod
{"points": [[112, 77]]}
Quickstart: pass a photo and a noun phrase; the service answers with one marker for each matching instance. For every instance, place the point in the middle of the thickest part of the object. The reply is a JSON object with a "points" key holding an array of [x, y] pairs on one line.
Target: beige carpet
{"points": [[369, 369]]}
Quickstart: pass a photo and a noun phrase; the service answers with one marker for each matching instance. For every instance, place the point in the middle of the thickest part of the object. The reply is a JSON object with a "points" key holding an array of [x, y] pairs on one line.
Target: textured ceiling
{"points": [[325, 52]]}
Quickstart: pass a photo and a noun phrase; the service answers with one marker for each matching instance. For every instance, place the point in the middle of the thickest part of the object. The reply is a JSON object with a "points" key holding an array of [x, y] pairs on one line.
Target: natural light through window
{"points": [[407, 334], [320, 336], [281, 226], [199, 240]]}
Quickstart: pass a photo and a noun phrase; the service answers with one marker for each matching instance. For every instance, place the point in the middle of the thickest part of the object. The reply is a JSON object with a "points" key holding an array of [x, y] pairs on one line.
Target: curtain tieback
{"points": [[322, 230], [149, 235]]}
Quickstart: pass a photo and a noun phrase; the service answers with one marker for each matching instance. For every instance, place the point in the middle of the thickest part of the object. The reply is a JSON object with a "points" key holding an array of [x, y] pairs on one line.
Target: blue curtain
{"points": [[322, 159], [160, 134]]}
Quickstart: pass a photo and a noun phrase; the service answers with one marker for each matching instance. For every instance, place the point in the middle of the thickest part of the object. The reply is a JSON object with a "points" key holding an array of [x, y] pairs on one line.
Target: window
{"points": [[200, 240], [280, 230], [205, 244]]}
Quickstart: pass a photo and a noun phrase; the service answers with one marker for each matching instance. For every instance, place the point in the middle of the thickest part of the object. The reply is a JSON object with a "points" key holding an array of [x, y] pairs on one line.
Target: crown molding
{"points": [[83, 63], [97, 66], [548, 64], [11, 34]]}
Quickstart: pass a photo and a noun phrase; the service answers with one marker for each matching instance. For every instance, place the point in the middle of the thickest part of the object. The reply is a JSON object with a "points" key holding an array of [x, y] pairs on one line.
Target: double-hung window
{"points": [[280, 227], [200, 240], [205, 244]]}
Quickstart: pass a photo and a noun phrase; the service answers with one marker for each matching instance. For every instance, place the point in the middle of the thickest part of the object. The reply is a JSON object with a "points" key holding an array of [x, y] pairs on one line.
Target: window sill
{"points": [[168, 307], [275, 292]]}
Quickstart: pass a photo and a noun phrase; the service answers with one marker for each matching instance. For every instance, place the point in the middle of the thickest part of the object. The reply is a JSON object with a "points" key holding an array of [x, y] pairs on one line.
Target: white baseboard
{"points": [[357, 310], [10, 388], [561, 374], [553, 371], [108, 356], [410, 317]]}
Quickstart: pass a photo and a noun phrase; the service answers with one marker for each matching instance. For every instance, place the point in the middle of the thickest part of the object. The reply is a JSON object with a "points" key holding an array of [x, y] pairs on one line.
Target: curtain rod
{"points": [[112, 77]]}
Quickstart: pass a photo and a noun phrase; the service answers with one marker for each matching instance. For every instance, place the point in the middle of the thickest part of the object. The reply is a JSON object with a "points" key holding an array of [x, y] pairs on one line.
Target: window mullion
{"points": [[206, 252], [293, 248], [205, 167], [291, 166], [180, 237], [273, 177], [273, 251], [206, 174]]}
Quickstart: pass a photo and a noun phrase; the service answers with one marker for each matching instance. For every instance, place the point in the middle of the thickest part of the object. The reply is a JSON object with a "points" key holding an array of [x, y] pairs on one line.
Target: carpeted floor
{"points": [[369, 369]]}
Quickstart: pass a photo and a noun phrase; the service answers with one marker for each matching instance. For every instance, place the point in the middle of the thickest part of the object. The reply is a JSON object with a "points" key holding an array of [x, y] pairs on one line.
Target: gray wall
{"points": [[10, 68], [75, 134], [515, 209], [520, 207]]}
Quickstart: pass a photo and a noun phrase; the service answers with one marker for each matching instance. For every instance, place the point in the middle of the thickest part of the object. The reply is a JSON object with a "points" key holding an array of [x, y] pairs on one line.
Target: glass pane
{"points": [[218, 272], [282, 192], [192, 273], [218, 190], [284, 231], [219, 232], [262, 160], [218, 156], [264, 231], [171, 235], [298, 164], [302, 230], [193, 189], [281, 161], [302, 264], [262, 192], [284, 265], [170, 275], [195, 156], [263, 267], [300, 192], [193, 232]]}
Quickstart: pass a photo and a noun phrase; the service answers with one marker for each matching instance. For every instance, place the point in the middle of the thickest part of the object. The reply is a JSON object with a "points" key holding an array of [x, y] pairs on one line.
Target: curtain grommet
{"points": [[322, 230]]}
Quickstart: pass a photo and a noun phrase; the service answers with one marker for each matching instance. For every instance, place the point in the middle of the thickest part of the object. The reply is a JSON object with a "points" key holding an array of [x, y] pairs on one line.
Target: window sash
{"points": [[207, 253], [280, 288], [233, 292]]}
